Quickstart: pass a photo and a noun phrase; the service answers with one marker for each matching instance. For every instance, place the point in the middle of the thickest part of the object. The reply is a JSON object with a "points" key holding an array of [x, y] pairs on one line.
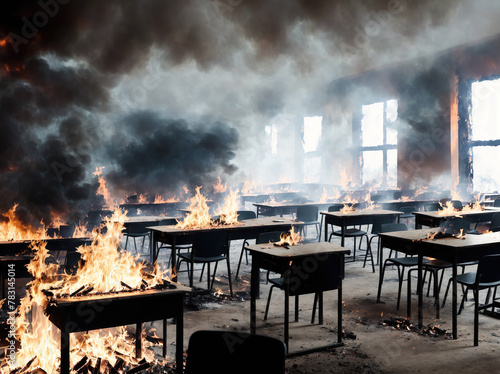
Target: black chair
{"points": [[134, 231], [72, 262], [207, 247], [495, 222], [325, 276], [432, 207], [457, 204], [262, 238], [407, 213], [229, 352], [309, 215], [400, 262], [349, 232], [487, 276], [246, 214], [496, 203], [376, 227], [181, 243]]}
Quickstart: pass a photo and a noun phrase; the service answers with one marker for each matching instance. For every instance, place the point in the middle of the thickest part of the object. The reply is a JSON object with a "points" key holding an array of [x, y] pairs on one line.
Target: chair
{"points": [[71, 262], [262, 238], [349, 232], [407, 213], [180, 245], [306, 279], [432, 207], [136, 230], [487, 276], [400, 262], [207, 247], [246, 214], [495, 222], [457, 204], [228, 352], [309, 215], [376, 227], [496, 203]]}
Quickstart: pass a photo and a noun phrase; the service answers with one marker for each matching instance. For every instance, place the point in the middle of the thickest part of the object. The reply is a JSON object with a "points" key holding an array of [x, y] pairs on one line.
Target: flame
{"points": [[291, 238], [348, 208], [345, 180], [219, 187], [105, 268], [3, 42], [14, 229], [476, 206], [160, 199], [324, 196], [103, 189], [447, 210], [229, 213], [199, 213], [404, 198]]}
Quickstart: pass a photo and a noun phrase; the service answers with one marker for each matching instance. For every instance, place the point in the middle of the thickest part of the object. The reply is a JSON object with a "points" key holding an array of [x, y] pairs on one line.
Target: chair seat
{"points": [[437, 264], [467, 279], [351, 232], [404, 261], [187, 257]]}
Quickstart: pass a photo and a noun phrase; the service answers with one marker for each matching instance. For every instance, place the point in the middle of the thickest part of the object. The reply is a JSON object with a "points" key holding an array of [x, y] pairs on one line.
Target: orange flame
{"points": [[219, 187], [199, 213], [14, 229], [103, 189], [291, 238]]}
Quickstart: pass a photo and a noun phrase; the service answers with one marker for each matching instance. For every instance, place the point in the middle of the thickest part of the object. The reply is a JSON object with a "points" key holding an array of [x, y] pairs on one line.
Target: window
{"points": [[379, 139], [484, 140], [311, 136], [272, 138]]}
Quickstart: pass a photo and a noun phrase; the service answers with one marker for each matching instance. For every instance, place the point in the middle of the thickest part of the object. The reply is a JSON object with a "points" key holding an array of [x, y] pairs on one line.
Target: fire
{"points": [[104, 268], [348, 208], [324, 196], [291, 238], [3, 42], [160, 199], [103, 189], [14, 229], [345, 181], [219, 187], [447, 210], [199, 213], [229, 213], [476, 206]]}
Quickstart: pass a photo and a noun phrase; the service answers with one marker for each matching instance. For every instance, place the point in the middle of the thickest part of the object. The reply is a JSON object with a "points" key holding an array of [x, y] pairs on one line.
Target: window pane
{"points": [[372, 125], [312, 133], [373, 170], [392, 168], [486, 110], [392, 115], [486, 172]]}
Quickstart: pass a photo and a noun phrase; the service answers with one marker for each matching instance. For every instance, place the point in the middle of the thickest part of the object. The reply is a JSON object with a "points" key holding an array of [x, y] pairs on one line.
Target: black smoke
{"points": [[156, 155]]}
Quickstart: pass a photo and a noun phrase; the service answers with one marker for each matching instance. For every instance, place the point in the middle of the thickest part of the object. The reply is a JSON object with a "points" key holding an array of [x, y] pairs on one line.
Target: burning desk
{"points": [[82, 313]]}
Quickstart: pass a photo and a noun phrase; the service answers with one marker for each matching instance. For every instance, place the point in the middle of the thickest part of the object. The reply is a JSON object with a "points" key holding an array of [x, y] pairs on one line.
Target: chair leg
{"points": [[229, 276], [400, 286], [126, 242], [296, 308], [239, 262], [464, 296], [381, 280], [268, 302], [476, 316], [314, 307]]}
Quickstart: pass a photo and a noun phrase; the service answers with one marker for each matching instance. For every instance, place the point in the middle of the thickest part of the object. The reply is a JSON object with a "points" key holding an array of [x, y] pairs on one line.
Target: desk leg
{"points": [[326, 229], [179, 338], [165, 337], [420, 292], [138, 340], [65, 350], [152, 245], [287, 312], [254, 293], [454, 299], [173, 267]]}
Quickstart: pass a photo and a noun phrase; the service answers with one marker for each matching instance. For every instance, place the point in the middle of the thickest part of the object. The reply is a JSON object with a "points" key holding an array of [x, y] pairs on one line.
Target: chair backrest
{"points": [[488, 270], [390, 227], [246, 214], [307, 213], [432, 207], [335, 207], [408, 209], [453, 225], [457, 204], [495, 222], [496, 203], [268, 237], [168, 222], [379, 221], [229, 352], [315, 273], [72, 261], [138, 228], [210, 243]]}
